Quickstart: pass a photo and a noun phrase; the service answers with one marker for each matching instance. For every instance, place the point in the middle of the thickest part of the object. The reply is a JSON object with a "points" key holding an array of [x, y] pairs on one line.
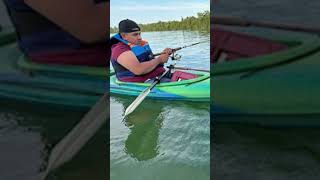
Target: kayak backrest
{"points": [[228, 45], [180, 76]]}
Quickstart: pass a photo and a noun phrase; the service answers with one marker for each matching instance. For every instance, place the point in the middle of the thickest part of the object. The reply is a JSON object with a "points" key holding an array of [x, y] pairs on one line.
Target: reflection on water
{"points": [[159, 137], [144, 126], [142, 142]]}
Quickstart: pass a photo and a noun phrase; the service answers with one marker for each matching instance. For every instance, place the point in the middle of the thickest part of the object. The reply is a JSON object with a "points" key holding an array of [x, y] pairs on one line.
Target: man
{"points": [[48, 32], [132, 58]]}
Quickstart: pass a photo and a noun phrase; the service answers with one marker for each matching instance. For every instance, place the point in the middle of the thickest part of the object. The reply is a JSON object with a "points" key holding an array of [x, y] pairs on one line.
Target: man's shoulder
{"points": [[120, 45], [118, 49]]}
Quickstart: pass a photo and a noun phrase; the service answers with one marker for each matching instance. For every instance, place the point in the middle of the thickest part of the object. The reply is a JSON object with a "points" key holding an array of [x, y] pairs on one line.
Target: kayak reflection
{"points": [[145, 124]]}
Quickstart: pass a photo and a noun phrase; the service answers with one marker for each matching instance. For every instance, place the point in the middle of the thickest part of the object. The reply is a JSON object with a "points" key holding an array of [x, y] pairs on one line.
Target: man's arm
{"points": [[128, 60], [83, 19]]}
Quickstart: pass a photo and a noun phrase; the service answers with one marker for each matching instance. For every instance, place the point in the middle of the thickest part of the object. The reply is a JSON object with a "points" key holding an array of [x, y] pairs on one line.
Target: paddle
{"points": [[71, 144], [143, 95], [229, 20]]}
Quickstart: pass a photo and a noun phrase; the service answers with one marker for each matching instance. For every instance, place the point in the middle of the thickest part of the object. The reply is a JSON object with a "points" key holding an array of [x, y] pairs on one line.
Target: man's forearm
{"points": [[88, 21], [148, 66]]}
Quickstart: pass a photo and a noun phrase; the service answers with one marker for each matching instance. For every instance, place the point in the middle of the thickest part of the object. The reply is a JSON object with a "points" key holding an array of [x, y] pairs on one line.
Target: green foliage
{"points": [[199, 23]]}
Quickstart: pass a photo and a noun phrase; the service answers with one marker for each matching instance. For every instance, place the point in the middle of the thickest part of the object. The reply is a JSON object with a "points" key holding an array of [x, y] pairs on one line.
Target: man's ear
{"points": [[123, 35]]}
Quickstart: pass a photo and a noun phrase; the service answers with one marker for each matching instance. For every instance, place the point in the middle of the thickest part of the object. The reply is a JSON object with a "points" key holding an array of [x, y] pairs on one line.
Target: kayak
{"points": [[197, 89], [74, 87], [282, 81]]}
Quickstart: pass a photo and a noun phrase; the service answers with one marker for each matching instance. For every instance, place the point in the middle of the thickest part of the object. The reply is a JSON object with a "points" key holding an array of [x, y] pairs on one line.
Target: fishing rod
{"points": [[179, 48]]}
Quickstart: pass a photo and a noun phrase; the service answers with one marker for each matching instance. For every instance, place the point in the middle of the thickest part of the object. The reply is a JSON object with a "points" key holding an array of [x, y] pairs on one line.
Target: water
{"points": [[194, 57], [29, 132], [163, 140], [263, 153]]}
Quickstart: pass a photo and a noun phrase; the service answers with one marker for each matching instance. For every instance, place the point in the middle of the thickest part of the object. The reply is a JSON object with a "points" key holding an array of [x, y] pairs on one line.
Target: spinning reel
{"points": [[174, 57]]}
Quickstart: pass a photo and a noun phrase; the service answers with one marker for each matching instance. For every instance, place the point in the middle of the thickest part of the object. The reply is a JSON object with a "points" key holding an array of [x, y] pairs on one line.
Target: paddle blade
{"points": [[71, 144], [137, 102]]}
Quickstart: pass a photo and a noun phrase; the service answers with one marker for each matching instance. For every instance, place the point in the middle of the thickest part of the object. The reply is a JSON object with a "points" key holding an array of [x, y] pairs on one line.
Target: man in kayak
{"points": [[132, 57], [73, 32]]}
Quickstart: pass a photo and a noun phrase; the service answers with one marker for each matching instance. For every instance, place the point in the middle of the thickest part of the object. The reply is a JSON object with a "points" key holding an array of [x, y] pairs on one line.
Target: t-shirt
{"points": [[118, 49]]}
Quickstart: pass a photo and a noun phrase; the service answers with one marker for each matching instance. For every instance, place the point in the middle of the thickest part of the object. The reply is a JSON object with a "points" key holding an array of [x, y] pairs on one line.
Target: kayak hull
{"points": [[197, 89], [78, 89]]}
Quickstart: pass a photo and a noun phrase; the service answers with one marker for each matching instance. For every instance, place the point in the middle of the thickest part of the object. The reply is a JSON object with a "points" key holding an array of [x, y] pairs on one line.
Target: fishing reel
{"points": [[175, 57]]}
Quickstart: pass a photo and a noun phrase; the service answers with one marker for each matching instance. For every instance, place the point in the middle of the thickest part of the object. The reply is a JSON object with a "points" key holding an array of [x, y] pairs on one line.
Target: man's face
{"points": [[133, 37]]}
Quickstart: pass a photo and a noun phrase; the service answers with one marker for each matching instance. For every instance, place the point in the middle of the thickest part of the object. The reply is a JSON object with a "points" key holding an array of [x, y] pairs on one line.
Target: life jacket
{"points": [[143, 53], [45, 42]]}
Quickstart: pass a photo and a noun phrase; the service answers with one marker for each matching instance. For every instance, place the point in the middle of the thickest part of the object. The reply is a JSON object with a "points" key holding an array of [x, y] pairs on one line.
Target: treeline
{"points": [[199, 23]]}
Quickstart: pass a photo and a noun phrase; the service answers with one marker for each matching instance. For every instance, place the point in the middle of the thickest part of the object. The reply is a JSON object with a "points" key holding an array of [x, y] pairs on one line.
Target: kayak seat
{"points": [[233, 45], [180, 76]]}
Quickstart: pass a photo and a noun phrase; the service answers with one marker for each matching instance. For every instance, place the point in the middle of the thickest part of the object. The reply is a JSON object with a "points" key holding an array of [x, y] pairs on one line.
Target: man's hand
{"points": [[165, 55], [163, 58], [167, 51]]}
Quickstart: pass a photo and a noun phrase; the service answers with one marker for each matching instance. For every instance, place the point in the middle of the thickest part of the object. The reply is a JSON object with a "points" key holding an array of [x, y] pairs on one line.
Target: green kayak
{"points": [[282, 82], [197, 89], [74, 87]]}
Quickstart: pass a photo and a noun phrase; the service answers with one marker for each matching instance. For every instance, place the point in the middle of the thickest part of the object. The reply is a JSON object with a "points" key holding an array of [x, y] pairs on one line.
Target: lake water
{"points": [[29, 132], [161, 139], [263, 153]]}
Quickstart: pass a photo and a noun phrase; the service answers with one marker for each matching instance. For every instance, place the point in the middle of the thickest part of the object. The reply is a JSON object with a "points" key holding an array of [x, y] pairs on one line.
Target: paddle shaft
{"points": [[143, 95], [236, 21]]}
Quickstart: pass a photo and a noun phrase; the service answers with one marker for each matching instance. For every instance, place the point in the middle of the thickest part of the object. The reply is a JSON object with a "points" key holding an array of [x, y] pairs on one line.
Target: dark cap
{"points": [[127, 26]]}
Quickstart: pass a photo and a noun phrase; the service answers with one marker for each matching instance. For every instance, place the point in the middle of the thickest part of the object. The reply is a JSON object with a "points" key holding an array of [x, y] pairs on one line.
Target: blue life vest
{"points": [[143, 53]]}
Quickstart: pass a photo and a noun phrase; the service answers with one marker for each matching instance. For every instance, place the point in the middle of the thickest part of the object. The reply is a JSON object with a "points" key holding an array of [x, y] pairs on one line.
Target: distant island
{"points": [[199, 23]]}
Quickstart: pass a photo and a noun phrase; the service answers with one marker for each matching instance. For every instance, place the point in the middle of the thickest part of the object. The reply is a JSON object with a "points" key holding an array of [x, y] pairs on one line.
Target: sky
{"points": [[148, 11]]}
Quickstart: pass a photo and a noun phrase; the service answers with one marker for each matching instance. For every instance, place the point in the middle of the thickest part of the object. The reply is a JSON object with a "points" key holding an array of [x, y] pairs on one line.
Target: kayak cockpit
{"points": [[230, 46], [198, 76]]}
